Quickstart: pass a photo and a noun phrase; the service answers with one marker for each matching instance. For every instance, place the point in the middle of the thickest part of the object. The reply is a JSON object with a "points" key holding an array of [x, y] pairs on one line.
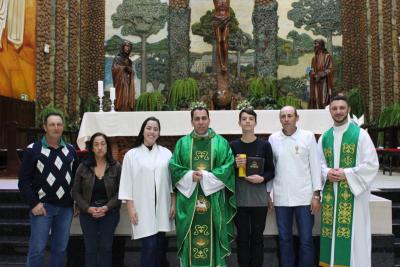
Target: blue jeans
{"points": [[58, 220], [98, 236], [153, 249], [305, 223]]}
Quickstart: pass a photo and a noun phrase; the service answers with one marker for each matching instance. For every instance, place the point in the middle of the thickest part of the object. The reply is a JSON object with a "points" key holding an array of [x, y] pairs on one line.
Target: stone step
{"points": [[396, 227], [395, 210], [392, 194], [11, 227], [12, 260], [10, 196], [13, 240], [14, 211], [396, 248]]}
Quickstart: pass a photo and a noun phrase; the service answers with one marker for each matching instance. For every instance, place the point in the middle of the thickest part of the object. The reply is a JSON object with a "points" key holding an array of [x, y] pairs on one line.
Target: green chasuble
{"points": [[339, 230], [204, 225]]}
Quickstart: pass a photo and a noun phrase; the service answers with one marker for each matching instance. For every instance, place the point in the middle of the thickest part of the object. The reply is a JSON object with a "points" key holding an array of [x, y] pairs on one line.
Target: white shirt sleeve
{"points": [[210, 183], [324, 167], [315, 165], [126, 182], [367, 165], [186, 185]]}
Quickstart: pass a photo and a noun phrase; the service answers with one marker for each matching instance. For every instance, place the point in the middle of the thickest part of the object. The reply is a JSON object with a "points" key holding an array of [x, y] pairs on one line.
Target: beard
{"points": [[342, 121]]}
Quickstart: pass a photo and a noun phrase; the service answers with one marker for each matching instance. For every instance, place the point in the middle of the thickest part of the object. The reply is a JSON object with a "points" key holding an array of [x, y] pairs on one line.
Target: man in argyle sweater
{"points": [[45, 181]]}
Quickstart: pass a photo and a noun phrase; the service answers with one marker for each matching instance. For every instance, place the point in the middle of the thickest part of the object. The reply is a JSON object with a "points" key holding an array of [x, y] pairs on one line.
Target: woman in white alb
{"points": [[146, 187]]}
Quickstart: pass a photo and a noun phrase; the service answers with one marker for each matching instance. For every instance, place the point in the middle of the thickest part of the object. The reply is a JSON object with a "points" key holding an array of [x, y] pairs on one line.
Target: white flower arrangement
{"points": [[243, 104], [197, 104]]}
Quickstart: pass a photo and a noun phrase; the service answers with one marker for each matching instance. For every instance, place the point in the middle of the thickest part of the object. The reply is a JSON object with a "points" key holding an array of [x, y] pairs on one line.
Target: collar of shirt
{"points": [[293, 136], [210, 134], [46, 145], [341, 128]]}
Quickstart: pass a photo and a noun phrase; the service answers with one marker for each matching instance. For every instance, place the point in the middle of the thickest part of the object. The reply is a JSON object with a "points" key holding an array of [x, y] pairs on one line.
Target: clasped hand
{"points": [[197, 176], [336, 175], [97, 212]]}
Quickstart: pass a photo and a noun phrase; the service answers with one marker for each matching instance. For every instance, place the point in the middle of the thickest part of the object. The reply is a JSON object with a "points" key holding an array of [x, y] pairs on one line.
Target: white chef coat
{"points": [[145, 179]]}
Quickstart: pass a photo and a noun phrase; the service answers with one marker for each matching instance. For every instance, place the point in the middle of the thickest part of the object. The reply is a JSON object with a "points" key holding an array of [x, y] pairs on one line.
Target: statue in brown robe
{"points": [[321, 77], [124, 79]]}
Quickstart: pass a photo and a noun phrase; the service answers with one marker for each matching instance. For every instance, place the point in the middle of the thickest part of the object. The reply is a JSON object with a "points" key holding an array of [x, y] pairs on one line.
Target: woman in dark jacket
{"points": [[95, 191]]}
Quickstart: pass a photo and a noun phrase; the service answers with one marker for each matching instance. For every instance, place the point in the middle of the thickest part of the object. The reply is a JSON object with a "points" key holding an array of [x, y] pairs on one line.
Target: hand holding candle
{"points": [[242, 166]]}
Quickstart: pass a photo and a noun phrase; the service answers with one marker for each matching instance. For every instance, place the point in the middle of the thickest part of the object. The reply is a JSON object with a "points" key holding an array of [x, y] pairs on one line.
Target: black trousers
{"points": [[250, 224]]}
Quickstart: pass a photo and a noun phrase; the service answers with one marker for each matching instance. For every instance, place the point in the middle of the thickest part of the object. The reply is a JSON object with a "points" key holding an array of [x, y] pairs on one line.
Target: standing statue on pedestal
{"points": [[321, 77], [221, 20], [124, 79]]}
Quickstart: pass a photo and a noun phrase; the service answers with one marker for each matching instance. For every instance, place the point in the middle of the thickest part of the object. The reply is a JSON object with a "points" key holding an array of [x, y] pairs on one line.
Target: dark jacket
{"points": [[84, 181]]}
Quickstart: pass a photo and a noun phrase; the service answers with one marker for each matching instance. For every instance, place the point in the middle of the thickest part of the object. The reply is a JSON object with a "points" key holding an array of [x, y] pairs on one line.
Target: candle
{"points": [[112, 93], [100, 89], [242, 170]]}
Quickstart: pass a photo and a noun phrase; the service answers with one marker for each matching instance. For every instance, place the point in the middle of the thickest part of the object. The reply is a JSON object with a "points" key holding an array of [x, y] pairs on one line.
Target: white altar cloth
{"points": [[177, 123]]}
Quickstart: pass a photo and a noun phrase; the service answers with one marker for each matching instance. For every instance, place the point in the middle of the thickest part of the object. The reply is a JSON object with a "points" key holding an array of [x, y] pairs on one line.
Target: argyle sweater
{"points": [[46, 174]]}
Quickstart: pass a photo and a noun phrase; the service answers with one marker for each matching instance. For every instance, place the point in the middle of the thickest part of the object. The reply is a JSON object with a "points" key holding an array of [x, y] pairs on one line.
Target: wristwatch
{"points": [[316, 197]]}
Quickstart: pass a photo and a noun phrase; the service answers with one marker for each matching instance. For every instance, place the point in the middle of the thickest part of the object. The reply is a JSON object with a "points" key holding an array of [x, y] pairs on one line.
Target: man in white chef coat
{"points": [[349, 164]]}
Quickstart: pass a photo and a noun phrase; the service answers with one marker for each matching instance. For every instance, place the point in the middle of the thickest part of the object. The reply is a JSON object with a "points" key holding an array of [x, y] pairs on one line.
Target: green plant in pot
{"points": [[183, 91], [150, 102]]}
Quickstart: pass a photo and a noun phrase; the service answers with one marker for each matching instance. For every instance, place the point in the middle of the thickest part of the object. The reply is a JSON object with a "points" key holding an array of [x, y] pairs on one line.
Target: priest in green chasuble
{"points": [[203, 176], [349, 164]]}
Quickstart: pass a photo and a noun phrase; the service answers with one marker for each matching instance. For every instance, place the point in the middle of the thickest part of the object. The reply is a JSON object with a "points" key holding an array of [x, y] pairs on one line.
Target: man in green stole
{"points": [[203, 176], [349, 163]]}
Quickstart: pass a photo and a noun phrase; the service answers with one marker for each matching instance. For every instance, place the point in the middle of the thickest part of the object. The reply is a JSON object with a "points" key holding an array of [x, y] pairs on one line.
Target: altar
{"points": [[177, 123]]}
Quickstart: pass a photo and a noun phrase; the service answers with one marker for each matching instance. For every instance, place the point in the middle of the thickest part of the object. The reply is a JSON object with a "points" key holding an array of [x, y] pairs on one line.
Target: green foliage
{"points": [[204, 28], [286, 54], [264, 102], [390, 116], [113, 46], [260, 87], [157, 69], [290, 100], [356, 102], [302, 43], [90, 104], [294, 86], [320, 17], [184, 91], [150, 102], [140, 17], [240, 41]]}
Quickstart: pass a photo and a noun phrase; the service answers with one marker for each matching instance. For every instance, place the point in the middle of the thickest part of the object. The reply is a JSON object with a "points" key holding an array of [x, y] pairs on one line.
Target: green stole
{"points": [[201, 231], [344, 201]]}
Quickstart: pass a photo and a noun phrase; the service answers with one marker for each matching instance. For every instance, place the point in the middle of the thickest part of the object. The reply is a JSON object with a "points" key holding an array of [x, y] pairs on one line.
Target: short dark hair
{"points": [[340, 97], [53, 113], [90, 160], [198, 108], [249, 111], [140, 139]]}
